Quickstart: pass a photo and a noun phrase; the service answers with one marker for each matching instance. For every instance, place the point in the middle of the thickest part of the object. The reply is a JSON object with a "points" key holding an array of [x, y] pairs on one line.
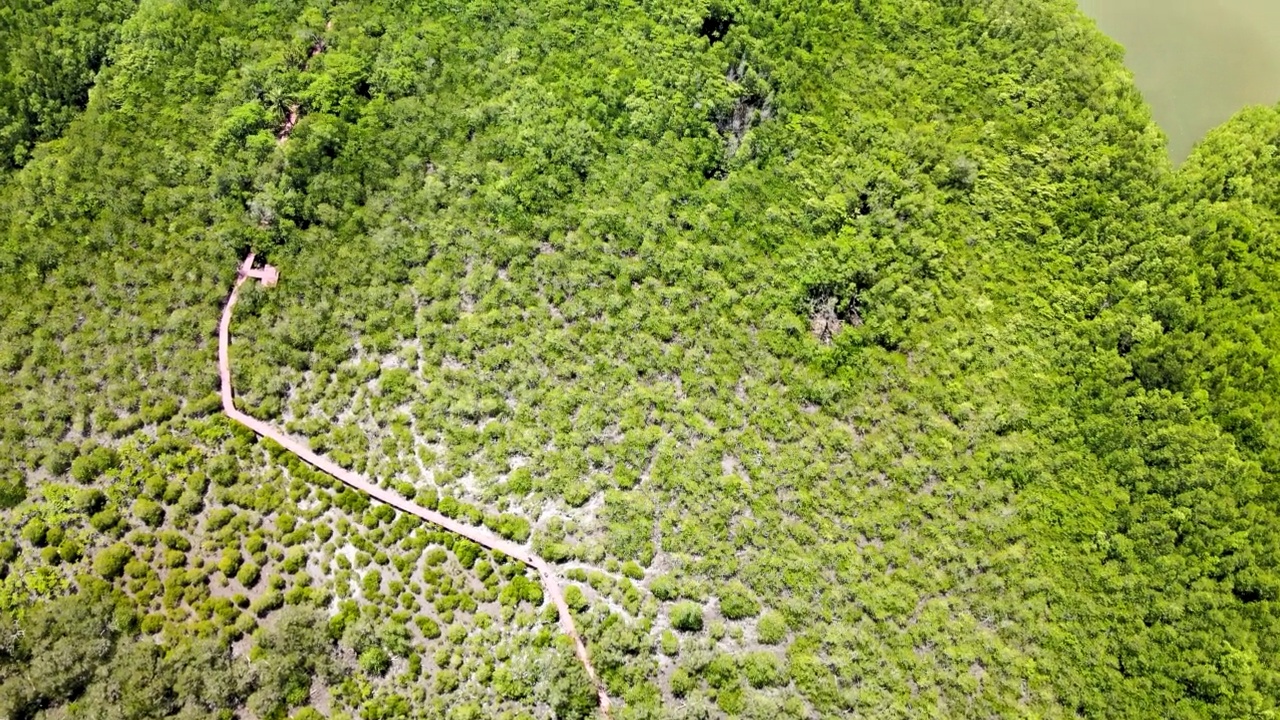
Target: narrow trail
{"points": [[480, 536], [318, 46]]}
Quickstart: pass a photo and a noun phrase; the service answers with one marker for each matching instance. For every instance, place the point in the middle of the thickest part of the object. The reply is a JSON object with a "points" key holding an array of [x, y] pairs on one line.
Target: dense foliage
{"points": [[50, 53], [852, 359]]}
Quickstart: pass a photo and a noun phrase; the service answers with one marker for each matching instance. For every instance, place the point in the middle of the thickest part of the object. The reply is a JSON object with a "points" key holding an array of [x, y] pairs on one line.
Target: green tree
{"points": [[763, 669], [110, 561], [293, 651], [375, 661], [736, 603], [686, 616], [248, 575], [149, 512], [13, 491], [566, 688], [60, 646], [35, 532], [771, 629]]}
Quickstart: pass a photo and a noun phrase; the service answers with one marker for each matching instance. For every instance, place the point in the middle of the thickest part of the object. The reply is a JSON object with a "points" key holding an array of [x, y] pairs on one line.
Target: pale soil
{"points": [[480, 536]]}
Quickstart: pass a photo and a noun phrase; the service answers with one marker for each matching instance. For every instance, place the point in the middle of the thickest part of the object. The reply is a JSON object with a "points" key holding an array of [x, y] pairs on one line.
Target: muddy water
{"points": [[1196, 61]]}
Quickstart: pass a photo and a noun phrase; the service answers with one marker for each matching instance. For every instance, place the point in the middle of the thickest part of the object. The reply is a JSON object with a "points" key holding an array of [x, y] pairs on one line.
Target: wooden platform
{"points": [[268, 274]]}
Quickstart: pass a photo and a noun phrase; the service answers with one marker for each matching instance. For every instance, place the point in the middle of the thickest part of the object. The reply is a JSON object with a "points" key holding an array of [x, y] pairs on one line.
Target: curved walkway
{"points": [[480, 536]]}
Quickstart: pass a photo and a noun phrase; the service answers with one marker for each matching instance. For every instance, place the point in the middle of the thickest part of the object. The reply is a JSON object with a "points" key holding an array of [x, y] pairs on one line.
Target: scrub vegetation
{"points": [[850, 359]]}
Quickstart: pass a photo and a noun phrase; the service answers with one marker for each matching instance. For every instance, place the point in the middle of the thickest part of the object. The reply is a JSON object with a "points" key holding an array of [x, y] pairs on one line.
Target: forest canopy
{"points": [[860, 358]]}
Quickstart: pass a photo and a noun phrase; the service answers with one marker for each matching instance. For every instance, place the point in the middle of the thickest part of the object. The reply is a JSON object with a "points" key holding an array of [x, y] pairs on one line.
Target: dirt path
{"points": [[291, 116], [480, 536]]}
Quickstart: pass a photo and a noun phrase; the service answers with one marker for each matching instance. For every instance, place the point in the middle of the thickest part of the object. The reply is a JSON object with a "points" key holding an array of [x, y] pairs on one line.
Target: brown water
{"points": [[1196, 61]]}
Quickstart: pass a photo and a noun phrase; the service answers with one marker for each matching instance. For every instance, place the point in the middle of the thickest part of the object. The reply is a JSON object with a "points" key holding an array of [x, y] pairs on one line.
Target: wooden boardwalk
{"points": [[481, 536]]}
